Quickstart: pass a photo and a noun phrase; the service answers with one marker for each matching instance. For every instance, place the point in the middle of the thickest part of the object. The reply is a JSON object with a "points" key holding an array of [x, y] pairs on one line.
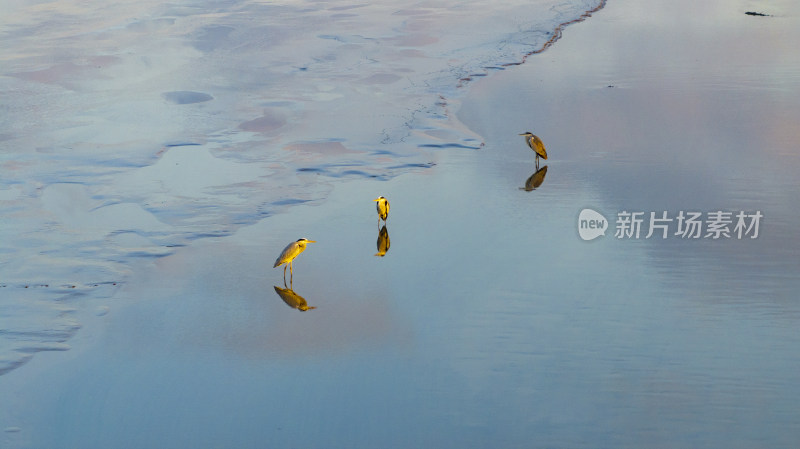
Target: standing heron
{"points": [[535, 144], [288, 254], [383, 208]]}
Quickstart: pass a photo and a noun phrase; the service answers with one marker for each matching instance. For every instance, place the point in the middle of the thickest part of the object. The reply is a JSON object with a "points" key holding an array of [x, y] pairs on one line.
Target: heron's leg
{"points": [[291, 272], [284, 273], [537, 161]]}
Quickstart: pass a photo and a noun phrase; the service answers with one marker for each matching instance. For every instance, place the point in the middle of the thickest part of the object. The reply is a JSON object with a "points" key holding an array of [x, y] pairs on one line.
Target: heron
{"points": [[288, 254], [535, 144], [383, 208]]}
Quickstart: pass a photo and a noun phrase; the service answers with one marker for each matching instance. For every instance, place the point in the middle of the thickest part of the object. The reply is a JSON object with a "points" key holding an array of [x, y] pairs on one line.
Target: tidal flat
{"points": [[489, 321]]}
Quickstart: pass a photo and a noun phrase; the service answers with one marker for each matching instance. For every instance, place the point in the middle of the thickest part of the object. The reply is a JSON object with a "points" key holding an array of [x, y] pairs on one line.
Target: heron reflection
{"points": [[383, 241], [535, 180], [292, 299]]}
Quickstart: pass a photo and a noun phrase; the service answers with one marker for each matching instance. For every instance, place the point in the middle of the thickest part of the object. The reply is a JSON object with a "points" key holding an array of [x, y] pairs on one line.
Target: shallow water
{"points": [[489, 322], [132, 129], [656, 342]]}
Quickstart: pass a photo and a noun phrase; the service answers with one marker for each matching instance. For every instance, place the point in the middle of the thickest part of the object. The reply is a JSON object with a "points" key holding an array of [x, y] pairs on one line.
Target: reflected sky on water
{"points": [[133, 129], [490, 323]]}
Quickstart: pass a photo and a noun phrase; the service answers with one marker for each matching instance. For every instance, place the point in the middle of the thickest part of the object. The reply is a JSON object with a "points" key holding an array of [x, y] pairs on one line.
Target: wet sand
{"points": [[488, 322]]}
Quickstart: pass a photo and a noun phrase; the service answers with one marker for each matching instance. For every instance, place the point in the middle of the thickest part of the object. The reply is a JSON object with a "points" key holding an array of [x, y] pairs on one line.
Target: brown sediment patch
{"points": [[328, 148], [63, 73], [266, 123]]}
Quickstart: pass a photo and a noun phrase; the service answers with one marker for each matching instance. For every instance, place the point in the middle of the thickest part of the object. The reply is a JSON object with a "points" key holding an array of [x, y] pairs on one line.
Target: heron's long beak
{"points": [[311, 241], [376, 199]]}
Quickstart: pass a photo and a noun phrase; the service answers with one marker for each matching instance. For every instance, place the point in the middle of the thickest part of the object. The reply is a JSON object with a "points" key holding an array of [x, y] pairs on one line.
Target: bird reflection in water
{"points": [[383, 241], [292, 299], [535, 180]]}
